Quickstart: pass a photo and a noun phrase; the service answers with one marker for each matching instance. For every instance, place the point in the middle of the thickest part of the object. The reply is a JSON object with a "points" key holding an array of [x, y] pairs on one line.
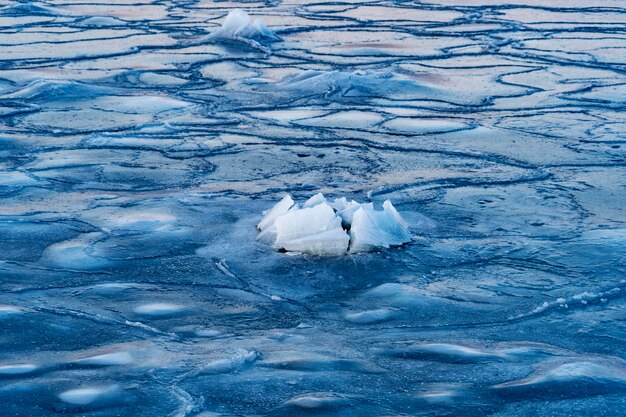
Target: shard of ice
{"points": [[319, 227], [315, 230], [352, 207], [279, 209], [372, 229], [315, 200]]}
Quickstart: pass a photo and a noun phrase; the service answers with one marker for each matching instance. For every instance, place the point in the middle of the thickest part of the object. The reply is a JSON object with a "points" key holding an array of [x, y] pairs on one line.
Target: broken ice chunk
{"points": [[306, 221], [331, 243], [346, 209], [320, 227], [315, 200], [387, 206], [282, 207], [372, 229], [348, 212], [238, 25], [315, 230], [339, 204]]}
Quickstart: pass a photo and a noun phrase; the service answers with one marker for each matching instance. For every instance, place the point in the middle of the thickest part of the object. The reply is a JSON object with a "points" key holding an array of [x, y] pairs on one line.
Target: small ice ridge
{"points": [[18, 369], [88, 395], [239, 26], [320, 227], [160, 309], [318, 401], [107, 359], [9, 310]]}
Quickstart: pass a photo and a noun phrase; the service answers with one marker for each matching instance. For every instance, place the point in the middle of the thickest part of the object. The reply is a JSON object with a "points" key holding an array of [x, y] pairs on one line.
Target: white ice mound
{"points": [[319, 227], [238, 25]]}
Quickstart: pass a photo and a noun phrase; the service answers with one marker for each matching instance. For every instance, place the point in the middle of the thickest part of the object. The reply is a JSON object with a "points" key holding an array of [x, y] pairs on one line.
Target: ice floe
{"points": [[320, 227]]}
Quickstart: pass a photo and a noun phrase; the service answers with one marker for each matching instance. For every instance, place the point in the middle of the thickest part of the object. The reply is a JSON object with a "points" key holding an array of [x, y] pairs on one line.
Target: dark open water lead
{"points": [[140, 143]]}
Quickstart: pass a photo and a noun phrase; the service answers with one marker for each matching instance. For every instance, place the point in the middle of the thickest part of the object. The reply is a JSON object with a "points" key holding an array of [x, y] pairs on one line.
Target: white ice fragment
{"points": [[315, 230], [282, 207], [306, 222], [372, 229], [387, 206], [314, 201], [348, 212], [331, 243], [238, 25], [267, 226], [339, 204]]}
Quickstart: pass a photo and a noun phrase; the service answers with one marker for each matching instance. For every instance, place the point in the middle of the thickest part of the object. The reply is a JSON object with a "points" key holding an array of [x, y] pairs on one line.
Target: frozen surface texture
{"points": [[323, 228], [140, 140]]}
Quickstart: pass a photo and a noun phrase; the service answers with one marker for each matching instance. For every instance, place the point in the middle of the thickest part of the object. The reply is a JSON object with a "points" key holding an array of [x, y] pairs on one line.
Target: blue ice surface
{"points": [[138, 152]]}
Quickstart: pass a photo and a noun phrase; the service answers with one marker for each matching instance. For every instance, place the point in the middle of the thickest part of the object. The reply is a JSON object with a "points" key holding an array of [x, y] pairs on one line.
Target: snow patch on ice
{"points": [[320, 227]]}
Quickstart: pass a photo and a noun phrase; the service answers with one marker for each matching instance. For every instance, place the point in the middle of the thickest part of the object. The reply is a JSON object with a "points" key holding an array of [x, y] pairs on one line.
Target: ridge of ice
{"points": [[87, 395], [320, 227]]}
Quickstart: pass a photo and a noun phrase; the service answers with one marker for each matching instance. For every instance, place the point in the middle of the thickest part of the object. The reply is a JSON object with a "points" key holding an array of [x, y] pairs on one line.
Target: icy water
{"points": [[137, 154]]}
